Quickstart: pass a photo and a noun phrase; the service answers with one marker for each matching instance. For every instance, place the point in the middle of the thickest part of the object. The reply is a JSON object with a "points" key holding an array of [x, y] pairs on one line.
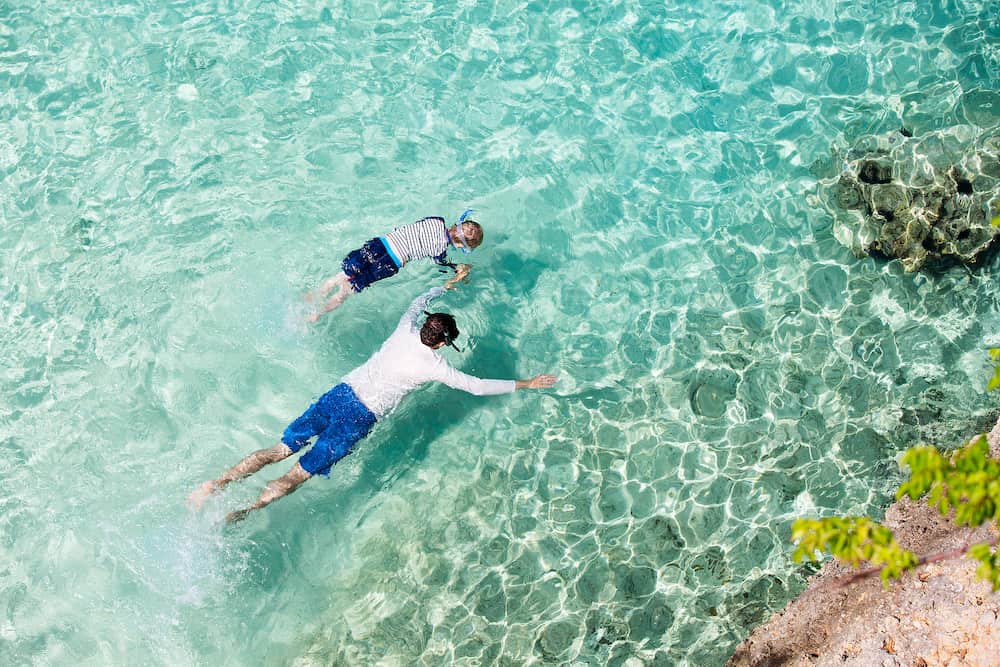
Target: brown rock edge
{"points": [[938, 614]]}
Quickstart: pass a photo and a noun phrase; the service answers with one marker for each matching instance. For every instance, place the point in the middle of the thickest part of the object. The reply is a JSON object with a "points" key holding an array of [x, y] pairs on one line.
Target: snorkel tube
{"points": [[448, 338]]}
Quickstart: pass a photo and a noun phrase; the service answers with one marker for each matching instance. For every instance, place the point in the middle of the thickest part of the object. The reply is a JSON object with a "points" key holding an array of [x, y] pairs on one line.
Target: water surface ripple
{"points": [[176, 175]]}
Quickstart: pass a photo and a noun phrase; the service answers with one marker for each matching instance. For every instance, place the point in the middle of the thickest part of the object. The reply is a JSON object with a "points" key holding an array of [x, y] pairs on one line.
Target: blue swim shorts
{"points": [[373, 261], [339, 419]]}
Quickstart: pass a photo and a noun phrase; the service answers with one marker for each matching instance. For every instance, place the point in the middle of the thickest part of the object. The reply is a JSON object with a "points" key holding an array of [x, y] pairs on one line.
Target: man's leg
{"points": [[244, 468], [278, 488]]}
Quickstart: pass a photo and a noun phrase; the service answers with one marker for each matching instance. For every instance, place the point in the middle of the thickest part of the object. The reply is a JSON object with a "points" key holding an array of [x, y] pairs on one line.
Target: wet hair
{"points": [[475, 237], [438, 328]]}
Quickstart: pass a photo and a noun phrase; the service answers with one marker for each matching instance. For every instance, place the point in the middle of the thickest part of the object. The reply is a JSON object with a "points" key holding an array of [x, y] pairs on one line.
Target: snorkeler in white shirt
{"points": [[345, 414]]}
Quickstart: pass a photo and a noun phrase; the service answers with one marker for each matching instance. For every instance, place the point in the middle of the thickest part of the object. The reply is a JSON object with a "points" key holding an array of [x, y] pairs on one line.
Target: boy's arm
{"points": [[461, 273]]}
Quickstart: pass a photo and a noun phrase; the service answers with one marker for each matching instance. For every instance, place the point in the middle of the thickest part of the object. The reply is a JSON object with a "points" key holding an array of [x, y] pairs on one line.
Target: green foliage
{"points": [[989, 563], [852, 539], [995, 356], [967, 483]]}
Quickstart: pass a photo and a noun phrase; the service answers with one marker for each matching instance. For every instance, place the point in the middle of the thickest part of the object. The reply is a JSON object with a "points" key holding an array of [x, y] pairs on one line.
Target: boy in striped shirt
{"points": [[384, 256]]}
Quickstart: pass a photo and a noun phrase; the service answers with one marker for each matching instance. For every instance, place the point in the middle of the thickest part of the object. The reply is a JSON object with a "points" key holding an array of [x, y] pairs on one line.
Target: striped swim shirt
{"points": [[427, 237]]}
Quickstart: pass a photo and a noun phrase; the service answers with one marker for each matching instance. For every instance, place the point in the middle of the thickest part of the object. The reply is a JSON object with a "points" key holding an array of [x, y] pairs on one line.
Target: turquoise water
{"points": [[175, 177]]}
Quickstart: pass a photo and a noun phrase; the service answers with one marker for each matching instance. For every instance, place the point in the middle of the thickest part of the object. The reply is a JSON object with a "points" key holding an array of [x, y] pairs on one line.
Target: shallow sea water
{"points": [[175, 177]]}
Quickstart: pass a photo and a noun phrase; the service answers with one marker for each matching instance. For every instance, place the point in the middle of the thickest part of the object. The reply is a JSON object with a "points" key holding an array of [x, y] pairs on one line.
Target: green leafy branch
{"points": [[995, 356], [854, 540], [989, 562], [966, 483]]}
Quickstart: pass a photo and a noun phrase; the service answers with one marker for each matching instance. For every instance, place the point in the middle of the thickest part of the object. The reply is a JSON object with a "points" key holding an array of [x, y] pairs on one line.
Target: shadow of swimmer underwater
{"points": [[345, 414]]}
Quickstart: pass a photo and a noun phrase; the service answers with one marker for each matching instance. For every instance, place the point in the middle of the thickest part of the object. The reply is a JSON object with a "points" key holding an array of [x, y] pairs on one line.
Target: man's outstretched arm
{"points": [[275, 489], [471, 384], [537, 382], [409, 318]]}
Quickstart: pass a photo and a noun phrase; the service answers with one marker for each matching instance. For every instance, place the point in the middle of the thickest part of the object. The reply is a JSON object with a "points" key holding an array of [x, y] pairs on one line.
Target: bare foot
{"points": [[198, 496], [237, 516]]}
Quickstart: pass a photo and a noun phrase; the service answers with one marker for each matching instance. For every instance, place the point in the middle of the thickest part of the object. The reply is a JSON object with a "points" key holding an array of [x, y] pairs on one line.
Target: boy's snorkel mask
{"points": [[461, 234]]}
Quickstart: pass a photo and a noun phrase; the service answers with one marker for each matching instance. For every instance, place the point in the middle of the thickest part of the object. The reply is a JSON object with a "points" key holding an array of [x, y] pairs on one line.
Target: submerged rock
{"points": [[917, 199]]}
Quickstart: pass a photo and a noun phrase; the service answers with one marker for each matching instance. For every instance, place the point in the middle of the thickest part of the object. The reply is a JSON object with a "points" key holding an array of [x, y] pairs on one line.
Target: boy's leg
{"points": [[248, 466], [344, 289], [333, 281]]}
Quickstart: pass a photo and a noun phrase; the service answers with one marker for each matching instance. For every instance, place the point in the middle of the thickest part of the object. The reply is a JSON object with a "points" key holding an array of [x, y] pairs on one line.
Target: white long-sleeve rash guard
{"points": [[403, 363]]}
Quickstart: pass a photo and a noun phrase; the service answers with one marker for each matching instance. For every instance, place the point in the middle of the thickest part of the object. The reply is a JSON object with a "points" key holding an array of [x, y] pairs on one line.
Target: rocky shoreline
{"points": [[939, 614]]}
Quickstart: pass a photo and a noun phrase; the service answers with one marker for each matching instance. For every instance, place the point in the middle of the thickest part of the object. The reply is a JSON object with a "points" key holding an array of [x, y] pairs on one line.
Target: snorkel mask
{"points": [[461, 234], [448, 339]]}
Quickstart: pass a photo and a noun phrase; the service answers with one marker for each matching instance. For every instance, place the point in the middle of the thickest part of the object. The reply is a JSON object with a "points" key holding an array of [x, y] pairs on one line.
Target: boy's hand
{"points": [[461, 273]]}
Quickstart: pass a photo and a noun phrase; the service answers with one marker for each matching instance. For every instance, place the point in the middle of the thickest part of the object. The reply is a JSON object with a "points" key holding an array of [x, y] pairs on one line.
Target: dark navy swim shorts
{"points": [[339, 419], [373, 261]]}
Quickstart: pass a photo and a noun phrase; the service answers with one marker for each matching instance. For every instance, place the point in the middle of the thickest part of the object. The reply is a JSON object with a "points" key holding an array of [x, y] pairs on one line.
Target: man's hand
{"points": [[461, 273], [537, 382]]}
